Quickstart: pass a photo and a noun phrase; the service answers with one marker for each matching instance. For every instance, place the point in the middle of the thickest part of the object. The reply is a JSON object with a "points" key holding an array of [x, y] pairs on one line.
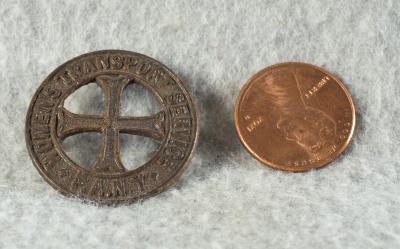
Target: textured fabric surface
{"points": [[226, 199]]}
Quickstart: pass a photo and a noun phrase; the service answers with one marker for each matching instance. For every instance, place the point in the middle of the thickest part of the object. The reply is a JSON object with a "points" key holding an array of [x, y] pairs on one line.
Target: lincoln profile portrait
{"points": [[310, 128]]}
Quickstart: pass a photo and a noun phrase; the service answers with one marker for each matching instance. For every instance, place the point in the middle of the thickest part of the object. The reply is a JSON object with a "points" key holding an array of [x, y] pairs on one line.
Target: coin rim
{"points": [[168, 183], [325, 162]]}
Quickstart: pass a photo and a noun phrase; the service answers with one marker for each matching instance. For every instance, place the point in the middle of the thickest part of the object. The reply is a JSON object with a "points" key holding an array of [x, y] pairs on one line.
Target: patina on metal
{"points": [[48, 123], [294, 117]]}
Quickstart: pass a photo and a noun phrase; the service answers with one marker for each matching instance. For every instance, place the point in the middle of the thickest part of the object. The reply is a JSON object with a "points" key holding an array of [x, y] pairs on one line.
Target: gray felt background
{"points": [[226, 199]]}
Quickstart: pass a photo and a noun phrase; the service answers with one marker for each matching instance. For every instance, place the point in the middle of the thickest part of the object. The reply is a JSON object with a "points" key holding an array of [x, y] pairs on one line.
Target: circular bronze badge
{"points": [[108, 181], [294, 116]]}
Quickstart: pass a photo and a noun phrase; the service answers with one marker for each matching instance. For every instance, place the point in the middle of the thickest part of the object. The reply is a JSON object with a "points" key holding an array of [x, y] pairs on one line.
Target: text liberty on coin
{"points": [[108, 181]]}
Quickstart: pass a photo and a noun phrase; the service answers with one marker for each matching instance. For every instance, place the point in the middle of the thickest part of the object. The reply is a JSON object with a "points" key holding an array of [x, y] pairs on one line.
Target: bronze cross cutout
{"points": [[110, 124]]}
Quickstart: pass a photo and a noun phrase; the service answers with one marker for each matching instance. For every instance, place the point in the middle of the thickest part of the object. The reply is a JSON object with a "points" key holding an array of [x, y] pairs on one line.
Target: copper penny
{"points": [[48, 122], [294, 116]]}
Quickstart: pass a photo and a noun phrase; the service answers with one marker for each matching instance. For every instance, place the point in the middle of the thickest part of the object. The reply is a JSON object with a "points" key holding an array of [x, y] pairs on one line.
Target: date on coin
{"points": [[48, 123], [294, 116]]}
